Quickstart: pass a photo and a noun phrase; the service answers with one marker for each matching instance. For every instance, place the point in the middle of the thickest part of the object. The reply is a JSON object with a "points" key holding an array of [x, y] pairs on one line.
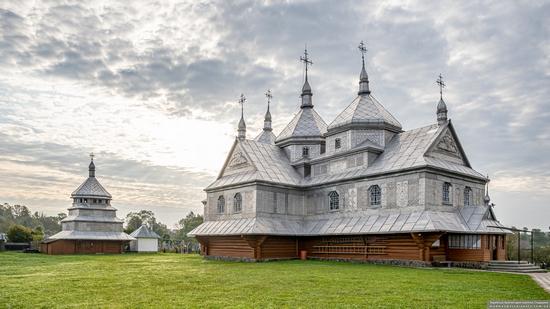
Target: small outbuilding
{"points": [[146, 240]]}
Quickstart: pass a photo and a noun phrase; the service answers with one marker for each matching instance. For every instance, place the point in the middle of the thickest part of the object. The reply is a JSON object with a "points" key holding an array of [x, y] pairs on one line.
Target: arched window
{"points": [[467, 196], [221, 204], [238, 205], [375, 195], [334, 200], [446, 193], [305, 152]]}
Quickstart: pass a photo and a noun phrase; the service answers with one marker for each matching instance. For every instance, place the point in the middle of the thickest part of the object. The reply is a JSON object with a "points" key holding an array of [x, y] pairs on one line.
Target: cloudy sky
{"points": [[151, 88]]}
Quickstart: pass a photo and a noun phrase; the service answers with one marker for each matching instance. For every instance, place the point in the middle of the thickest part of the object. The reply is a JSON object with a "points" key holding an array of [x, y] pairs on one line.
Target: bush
{"points": [[19, 233]]}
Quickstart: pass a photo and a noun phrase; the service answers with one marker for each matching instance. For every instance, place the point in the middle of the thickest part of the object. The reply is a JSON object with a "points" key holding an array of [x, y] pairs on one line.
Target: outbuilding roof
{"points": [[144, 232]]}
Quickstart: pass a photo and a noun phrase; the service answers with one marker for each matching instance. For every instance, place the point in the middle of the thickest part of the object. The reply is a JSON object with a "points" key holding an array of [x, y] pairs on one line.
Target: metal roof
{"points": [[91, 188], [406, 150], [266, 136], [306, 123], [354, 223], [144, 232], [89, 236], [364, 110], [270, 162]]}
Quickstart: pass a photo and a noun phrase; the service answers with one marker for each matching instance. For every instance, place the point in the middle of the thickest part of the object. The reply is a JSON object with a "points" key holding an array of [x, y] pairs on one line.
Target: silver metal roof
{"points": [[144, 232], [270, 164], [266, 136], [404, 151], [364, 110], [90, 236], [104, 219], [306, 123], [356, 223], [91, 188]]}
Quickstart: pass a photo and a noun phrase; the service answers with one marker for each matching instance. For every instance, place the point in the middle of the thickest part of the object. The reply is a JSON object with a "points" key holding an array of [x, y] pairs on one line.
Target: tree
{"points": [[186, 225], [19, 233]]}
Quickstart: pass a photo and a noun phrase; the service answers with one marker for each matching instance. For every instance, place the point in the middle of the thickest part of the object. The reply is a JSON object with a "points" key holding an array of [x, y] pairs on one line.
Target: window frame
{"points": [[447, 191], [305, 151], [337, 143], [333, 201], [375, 197], [237, 203], [464, 241], [221, 204], [468, 196]]}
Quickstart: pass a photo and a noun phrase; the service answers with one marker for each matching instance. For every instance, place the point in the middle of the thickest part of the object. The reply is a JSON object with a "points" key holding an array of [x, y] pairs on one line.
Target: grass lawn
{"points": [[175, 280]]}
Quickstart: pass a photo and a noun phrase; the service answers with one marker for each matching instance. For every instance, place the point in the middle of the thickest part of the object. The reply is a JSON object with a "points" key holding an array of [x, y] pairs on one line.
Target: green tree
{"points": [[186, 225], [19, 233]]}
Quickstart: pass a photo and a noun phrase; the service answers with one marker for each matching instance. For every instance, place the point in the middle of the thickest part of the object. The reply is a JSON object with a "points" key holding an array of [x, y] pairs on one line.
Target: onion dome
{"points": [[267, 136], [364, 112], [241, 131], [441, 112]]}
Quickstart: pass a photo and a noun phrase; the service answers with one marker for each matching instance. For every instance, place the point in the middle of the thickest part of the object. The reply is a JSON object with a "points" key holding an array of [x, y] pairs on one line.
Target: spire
{"points": [[364, 77], [441, 106], [487, 199], [306, 89], [267, 119], [242, 126], [91, 167]]}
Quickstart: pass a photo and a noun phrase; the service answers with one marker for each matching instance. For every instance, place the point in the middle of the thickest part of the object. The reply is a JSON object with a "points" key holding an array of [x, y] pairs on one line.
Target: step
{"points": [[519, 271], [512, 266], [508, 262]]}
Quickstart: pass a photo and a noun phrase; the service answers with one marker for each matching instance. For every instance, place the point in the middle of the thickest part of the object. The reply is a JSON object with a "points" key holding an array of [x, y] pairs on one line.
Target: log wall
{"points": [[81, 247]]}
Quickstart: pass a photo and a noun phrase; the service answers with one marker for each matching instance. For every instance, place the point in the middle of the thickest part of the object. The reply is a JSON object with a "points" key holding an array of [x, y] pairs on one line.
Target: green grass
{"points": [[173, 280]]}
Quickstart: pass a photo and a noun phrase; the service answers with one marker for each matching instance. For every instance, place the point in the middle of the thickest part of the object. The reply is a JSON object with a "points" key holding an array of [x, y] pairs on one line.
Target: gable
{"points": [[447, 147], [237, 161]]}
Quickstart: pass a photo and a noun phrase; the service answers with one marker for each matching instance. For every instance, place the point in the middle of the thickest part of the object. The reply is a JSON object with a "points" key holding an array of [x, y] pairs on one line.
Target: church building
{"points": [[359, 188], [92, 225]]}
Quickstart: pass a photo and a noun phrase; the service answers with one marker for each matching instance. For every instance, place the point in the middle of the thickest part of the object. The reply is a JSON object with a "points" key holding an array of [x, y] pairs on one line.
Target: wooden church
{"points": [[359, 188]]}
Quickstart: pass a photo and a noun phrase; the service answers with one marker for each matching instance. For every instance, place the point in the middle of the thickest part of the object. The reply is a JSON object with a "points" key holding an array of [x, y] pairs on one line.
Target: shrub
{"points": [[19, 233]]}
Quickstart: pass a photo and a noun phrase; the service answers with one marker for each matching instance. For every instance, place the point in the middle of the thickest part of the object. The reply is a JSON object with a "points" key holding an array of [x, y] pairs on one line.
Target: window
{"points": [[305, 152], [337, 143], [464, 241], [238, 203], [85, 200], [467, 196], [375, 195], [323, 147], [307, 170], [334, 200], [446, 193], [221, 204]]}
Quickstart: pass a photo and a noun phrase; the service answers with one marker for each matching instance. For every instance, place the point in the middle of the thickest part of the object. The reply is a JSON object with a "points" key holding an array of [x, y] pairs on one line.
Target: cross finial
{"points": [[92, 155], [363, 50], [269, 96], [441, 84], [305, 59], [241, 101]]}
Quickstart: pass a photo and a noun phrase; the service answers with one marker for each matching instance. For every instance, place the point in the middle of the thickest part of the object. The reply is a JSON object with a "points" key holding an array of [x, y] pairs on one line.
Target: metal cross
{"points": [[363, 50], [92, 155], [269, 96], [305, 59], [441, 84], [241, 101]]}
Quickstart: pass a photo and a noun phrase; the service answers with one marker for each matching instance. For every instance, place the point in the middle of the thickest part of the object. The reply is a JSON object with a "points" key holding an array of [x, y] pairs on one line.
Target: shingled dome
{"points": [[91, 188], [365, 110], [306, 123]]}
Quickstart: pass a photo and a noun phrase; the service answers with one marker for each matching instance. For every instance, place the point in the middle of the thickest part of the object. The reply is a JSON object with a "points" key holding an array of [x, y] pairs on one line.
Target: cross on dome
{"points": [[441, 84]]}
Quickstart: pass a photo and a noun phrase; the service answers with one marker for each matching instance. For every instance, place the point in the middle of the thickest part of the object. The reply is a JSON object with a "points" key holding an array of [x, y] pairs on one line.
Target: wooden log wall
{"points": [[231, 246], [82, 247]]}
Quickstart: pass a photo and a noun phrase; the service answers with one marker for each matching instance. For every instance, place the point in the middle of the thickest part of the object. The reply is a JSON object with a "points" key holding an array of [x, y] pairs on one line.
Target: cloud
{"points": [[154, 84]]}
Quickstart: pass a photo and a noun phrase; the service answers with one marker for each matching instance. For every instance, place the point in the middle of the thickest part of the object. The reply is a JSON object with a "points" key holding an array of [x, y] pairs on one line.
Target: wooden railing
{"points": [[349, 249]]}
